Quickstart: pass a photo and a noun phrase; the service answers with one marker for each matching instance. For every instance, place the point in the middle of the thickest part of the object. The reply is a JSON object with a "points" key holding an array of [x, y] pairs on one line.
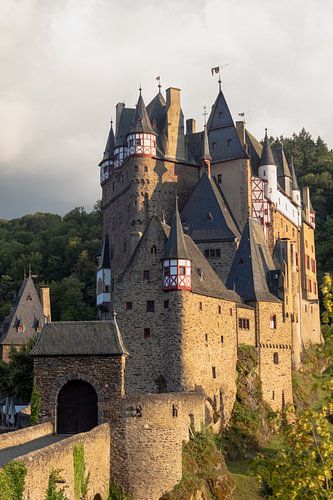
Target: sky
{"points": [[66, 63]]}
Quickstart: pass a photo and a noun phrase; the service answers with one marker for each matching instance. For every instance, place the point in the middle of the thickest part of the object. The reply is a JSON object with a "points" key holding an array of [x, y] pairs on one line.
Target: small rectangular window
{"points": [[166, 304], [218, 252], [276, 358], [146, 333], [150, 306], [222, 339], [207, 252], [219, 178], [206, 337], [212, 252], [230, 311], [273, 321], [200, 306], [146, 274], [214, 371], [220, 309], [129, 306]]}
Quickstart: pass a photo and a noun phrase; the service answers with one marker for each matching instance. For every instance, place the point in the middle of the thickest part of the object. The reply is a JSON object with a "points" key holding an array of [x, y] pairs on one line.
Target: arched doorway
{"points": [[76, 408]]}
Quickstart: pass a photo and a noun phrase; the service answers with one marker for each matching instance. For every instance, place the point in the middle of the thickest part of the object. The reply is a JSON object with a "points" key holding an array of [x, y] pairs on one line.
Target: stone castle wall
{"points": [[275, 355], [246, 335], [22, 436], [59, 456]]}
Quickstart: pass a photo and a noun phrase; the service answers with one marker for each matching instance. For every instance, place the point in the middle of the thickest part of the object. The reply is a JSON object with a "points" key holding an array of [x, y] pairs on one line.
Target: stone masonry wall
{"points": [[59, 456], [24, 435], [105, 374], [274, 355], [209, 350], [244, 335], [221, 265], [152, 432]]}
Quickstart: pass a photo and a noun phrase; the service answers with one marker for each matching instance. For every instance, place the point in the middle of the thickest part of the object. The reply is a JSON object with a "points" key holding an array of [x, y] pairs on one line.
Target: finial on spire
{"points": [[205, 113], [266, 132], [140, 88], [158, 78]]}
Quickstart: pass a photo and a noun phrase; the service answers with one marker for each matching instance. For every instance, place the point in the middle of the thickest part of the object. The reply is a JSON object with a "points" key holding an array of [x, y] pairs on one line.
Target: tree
{"points": [[327, 291], [302, 469]]}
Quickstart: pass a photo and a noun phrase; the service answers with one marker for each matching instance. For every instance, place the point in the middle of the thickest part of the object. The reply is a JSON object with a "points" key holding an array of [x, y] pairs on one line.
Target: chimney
{"points": [[45, 301], [240, 127], [120, 106], [174, 125], [190, 126]]}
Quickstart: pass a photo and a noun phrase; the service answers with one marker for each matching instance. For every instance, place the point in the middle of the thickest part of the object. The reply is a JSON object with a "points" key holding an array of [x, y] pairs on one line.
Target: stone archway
{"points": [[77, 408]]}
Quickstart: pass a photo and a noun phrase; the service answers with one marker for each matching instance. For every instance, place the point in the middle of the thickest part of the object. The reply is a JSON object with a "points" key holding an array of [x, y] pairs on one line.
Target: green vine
{"points": [[35, 406], [12, 481], [52, 492], [117, 492], [81, 479]]}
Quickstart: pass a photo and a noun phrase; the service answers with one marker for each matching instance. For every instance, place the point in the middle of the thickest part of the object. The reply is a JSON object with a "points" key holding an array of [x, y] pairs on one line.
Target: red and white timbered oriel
{"points": [[177, 274], [141, 144], [260, 208], [120, 154]]}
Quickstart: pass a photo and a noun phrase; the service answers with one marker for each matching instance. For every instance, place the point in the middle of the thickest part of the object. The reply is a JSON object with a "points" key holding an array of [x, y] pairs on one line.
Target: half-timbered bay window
{"points": [[177, 274]]}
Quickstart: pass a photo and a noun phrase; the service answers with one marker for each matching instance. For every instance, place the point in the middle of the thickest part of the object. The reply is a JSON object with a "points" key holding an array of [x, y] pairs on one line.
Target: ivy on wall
{"points": [[52, 492], [81, 479], [12, 481], [35, 406]]}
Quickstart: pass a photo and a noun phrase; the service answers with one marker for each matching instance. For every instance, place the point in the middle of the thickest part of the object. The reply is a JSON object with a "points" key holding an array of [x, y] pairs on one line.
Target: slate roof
{"points": [[105, 257], [27, 311], [205, 152], [108, 153], [267, 157], [294, 184], [194, 147], [141, 122], [224, 142], [281, 162], [176, 246], [205, 281], [80, 338], [248, 275], [254, 150], [206, 214], [157, 111], [126, 118]]}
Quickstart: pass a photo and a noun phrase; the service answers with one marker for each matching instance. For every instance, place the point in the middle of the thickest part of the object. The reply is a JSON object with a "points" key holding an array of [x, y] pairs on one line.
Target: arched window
{"points": [[153, 249]]}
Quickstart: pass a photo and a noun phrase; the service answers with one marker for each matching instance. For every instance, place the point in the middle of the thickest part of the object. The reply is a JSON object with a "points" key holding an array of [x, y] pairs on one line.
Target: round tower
{"points": [[141, 139], [177, 265], [267, 168], [103, 281]]}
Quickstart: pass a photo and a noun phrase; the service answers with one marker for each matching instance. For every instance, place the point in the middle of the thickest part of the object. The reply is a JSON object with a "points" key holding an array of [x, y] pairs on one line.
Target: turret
{"points": [[205, 153], [106, 165], [267, 168], [295, 192], [103, 287], [141, 140], [177, 265]]}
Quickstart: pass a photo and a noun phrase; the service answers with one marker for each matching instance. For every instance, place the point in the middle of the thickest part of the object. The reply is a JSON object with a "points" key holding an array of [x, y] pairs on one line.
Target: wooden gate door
{"points": [[76, 408]]}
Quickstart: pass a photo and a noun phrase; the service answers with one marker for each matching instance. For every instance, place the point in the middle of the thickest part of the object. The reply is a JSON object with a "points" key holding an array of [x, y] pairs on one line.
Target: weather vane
{"points": [[205, 113], [217, 70]]}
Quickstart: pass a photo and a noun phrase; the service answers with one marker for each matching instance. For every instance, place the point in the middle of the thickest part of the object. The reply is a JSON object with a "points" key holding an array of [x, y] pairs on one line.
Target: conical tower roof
{"points": [[267, 157], [294, 185], [108, 153], [251, 266], [205, 152], [141, 122], [105, 257], [176, 246]]}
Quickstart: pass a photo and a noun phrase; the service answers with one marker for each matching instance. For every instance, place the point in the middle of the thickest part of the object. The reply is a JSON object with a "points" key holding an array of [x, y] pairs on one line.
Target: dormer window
{"points": [[29, 297], [229, 142]]}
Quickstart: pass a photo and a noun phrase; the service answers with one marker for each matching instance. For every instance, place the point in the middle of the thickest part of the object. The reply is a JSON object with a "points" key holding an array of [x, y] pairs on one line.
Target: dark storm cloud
{"points": [[65, 65]]}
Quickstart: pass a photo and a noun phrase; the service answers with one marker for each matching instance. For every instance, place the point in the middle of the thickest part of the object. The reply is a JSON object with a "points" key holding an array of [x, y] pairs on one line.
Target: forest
{"points": [[61, 251]]}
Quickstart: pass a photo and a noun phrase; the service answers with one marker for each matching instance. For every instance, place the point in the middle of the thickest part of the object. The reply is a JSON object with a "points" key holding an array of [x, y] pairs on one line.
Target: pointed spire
{"points": [[141, 122], [119, 339], [105, 257], [205, 152], [176, 245], [267, 157], [108, 153], [294, 184]]}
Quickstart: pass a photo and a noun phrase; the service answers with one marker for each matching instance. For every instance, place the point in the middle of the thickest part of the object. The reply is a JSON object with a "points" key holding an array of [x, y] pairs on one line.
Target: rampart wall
{"points": [[22, 436]]}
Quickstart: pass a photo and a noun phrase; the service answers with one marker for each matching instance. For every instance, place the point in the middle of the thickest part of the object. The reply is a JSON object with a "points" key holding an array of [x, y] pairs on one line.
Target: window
{"points": [[146, 333], [220, 309], [214, 371], [29, 297], [138, 142], [222, 339], [273, 395], [153, 249], [206, 337], [307, 262], [146, 168], [218, 252], [166, 304], [128, 306], [229, 142], [273, 321], [181, 271], [150, 306], [230, 311], [207, 252], [146, 274], [200, 306], [213, 145], [244, 323], [305, 308], [212, 252], [219, 178], [276, 358], [314, 287]]}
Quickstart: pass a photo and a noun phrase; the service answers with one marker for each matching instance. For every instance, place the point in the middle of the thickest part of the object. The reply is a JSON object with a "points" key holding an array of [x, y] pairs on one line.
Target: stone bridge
{"points": [[43, 451]]}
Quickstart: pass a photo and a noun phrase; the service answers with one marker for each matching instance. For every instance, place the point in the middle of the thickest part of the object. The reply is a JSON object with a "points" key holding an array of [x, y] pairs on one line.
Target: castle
{"points": [[231, 261], [208, 243]]}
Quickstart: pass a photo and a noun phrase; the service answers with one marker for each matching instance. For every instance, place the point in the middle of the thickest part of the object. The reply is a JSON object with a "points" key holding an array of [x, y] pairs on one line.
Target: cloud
{"points": [[66, 64]]}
